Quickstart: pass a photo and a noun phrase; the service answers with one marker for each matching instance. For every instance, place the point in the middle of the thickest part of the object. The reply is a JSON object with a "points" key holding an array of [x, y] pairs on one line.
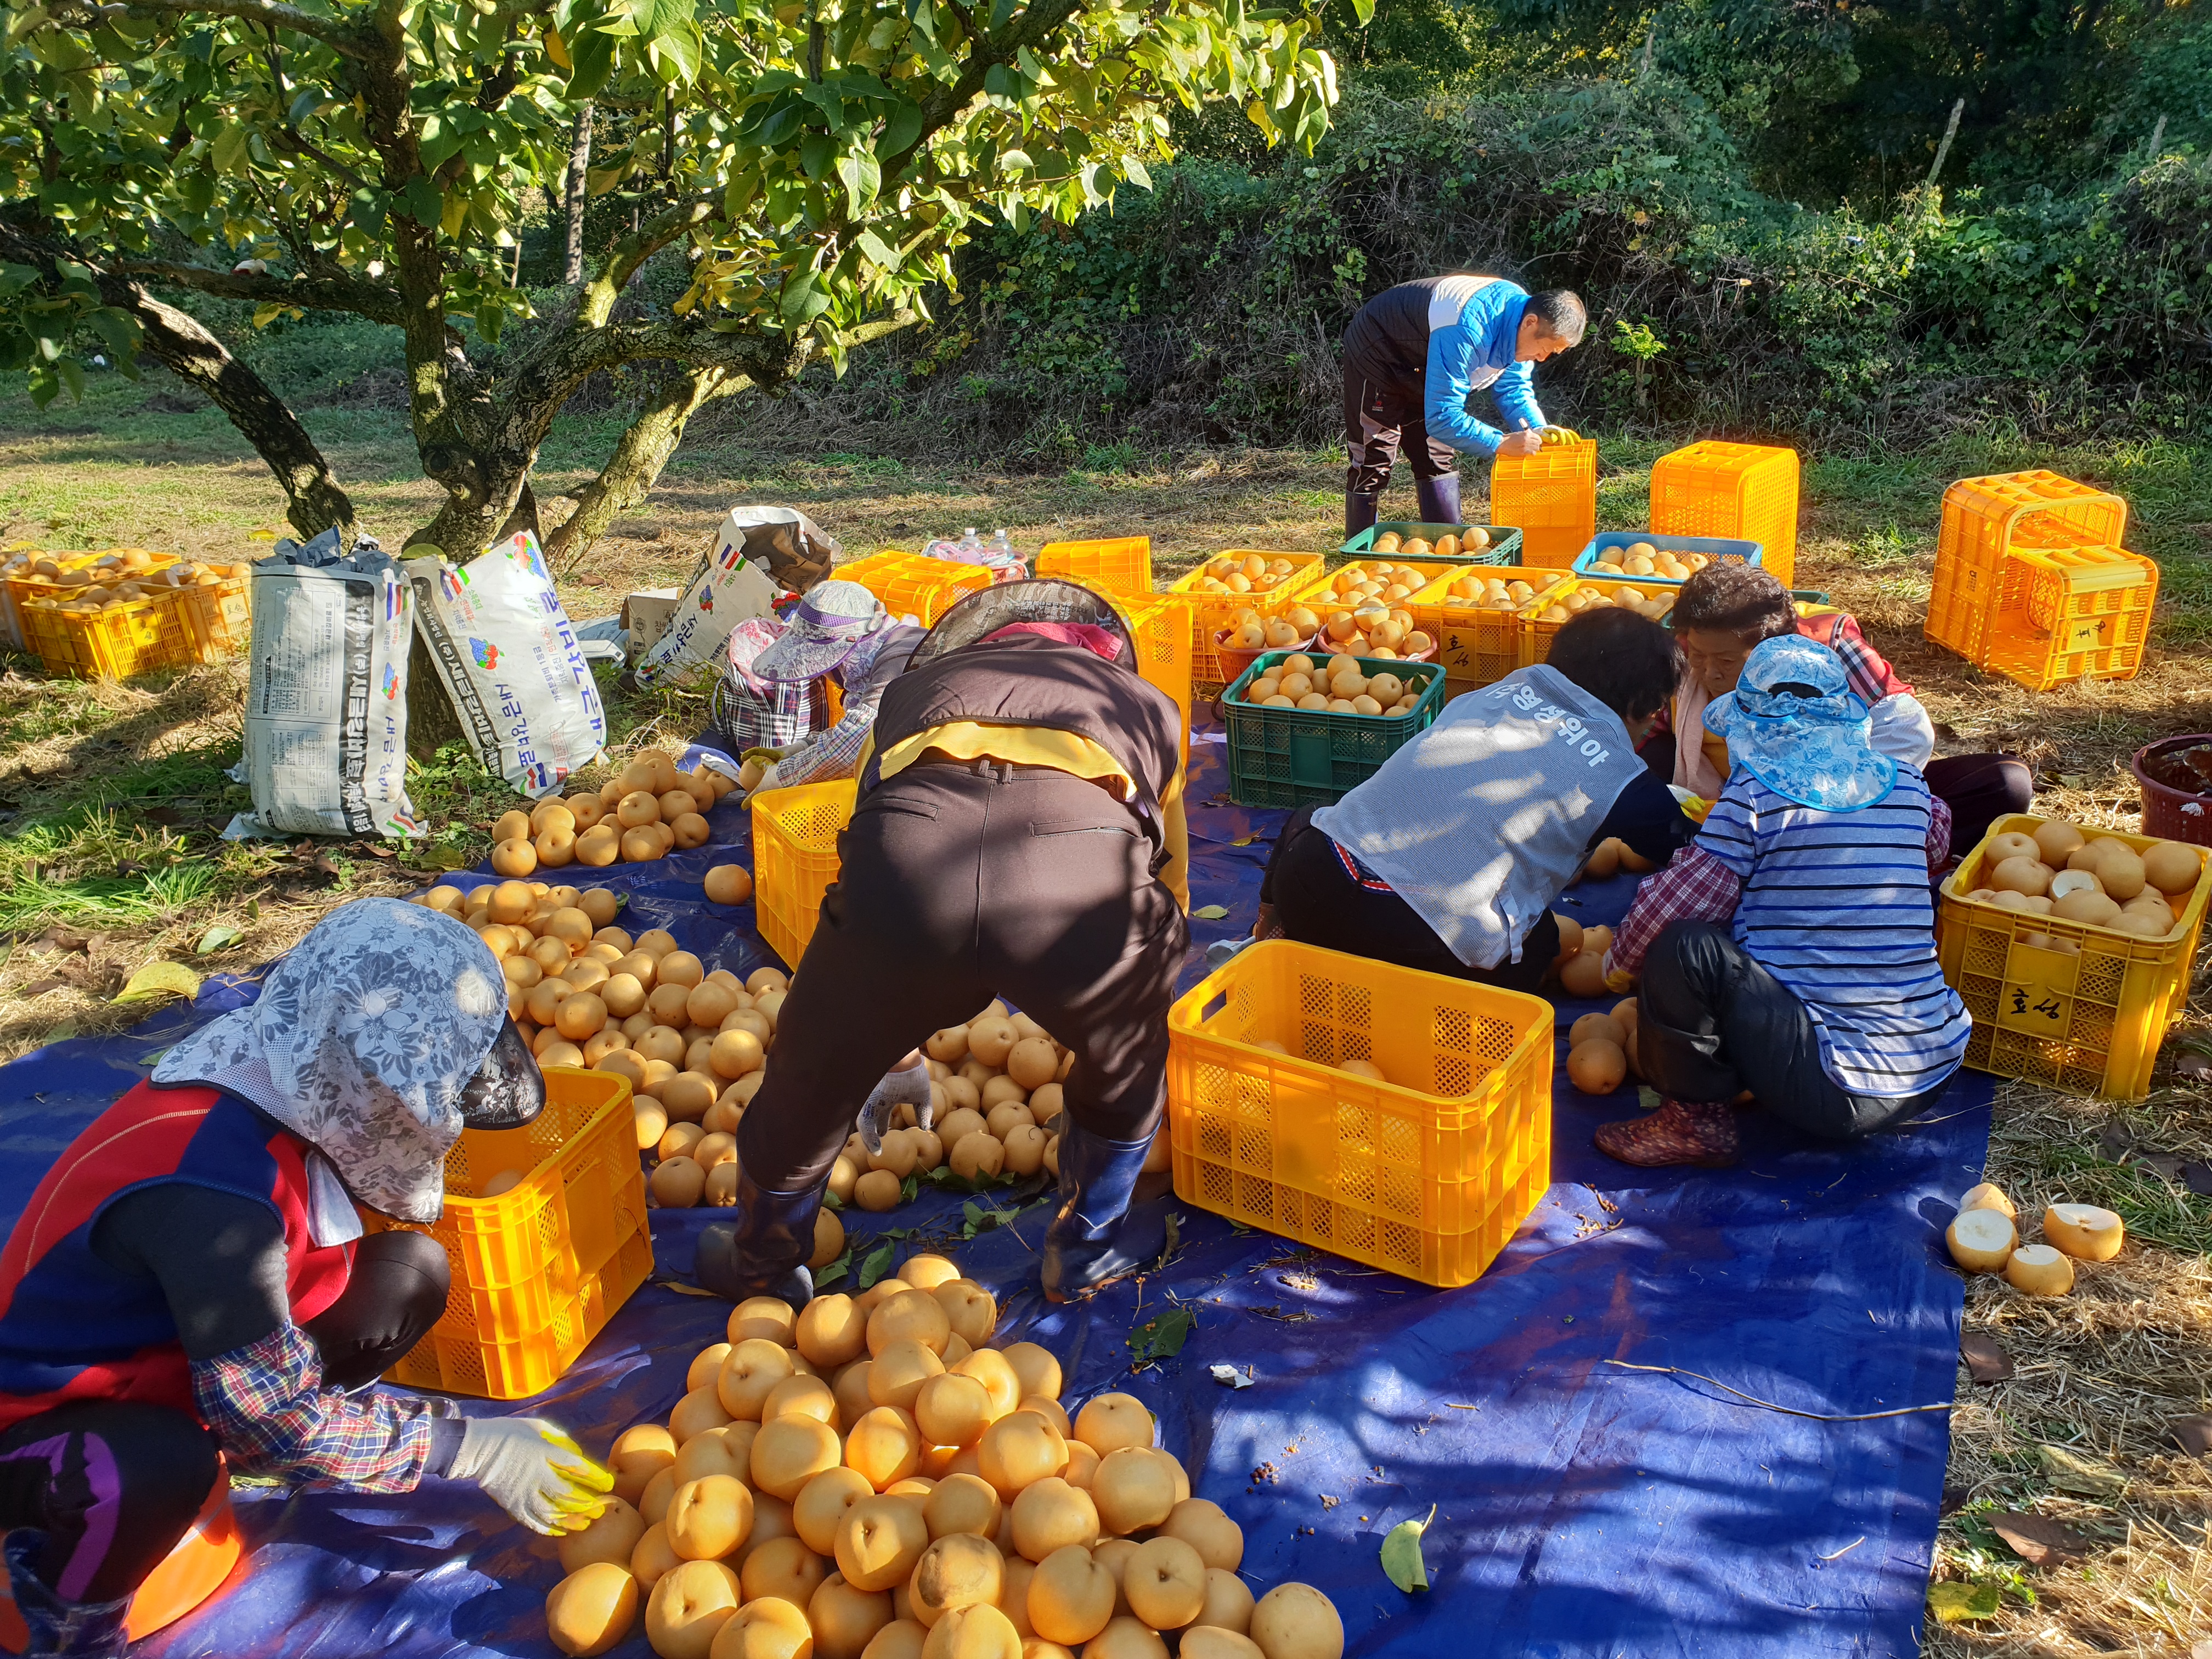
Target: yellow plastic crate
{"points": [[2070, 614], [1745, 491], [1536, 634], [2088, 1019], [1475, 646], [1115, 565], [1985, 519], [911, 585], [1161, 628], [1431, 571], [1210, 613], [136, 637], [539, 1270], [1551, 498], [217, 616], [1428, 1174], [795, 859]]}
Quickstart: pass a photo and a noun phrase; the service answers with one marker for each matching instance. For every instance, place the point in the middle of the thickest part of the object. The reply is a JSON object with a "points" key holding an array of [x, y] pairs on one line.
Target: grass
{"points": [[114, 796]]}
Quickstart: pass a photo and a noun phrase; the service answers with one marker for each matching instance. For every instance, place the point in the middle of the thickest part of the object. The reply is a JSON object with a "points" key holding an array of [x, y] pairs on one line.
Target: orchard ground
{"points": [[110, 796]]}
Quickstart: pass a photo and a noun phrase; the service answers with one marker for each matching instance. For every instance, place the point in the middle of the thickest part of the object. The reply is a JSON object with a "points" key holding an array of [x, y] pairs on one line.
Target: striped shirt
{"points": [[1837, 907]]}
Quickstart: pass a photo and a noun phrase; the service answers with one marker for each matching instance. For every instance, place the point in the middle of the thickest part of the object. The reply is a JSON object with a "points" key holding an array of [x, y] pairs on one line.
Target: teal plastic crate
{"points": [[1301, 756], [1504, 542], [1723, 549]]}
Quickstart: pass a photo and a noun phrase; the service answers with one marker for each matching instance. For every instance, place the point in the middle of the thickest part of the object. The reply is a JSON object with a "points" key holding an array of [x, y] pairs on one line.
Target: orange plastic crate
{"points": [[538, 1270], [795, 859], [1428, 1174], [2070, 614], [1161, 627], [217, 616], [2060, 1002], [1551, 498], [1746, 492], [1116, 565], [1477, 647], [1210, 613], [1985, 519], [1536, 634], [911, 585]]}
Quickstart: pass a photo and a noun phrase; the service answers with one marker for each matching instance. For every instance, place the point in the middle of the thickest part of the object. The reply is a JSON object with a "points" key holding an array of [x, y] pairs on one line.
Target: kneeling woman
{"points": [[1449, 858], [1791, 950], [190, 1281]]}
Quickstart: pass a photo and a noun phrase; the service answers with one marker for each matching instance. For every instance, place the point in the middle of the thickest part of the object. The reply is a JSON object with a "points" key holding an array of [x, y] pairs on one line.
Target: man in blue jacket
{"points": [[1411, 358]]}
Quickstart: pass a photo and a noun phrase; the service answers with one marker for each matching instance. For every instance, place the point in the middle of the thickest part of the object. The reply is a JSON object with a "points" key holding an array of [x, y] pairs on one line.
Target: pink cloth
{"points": [[1099, 642], [1692, 771]]}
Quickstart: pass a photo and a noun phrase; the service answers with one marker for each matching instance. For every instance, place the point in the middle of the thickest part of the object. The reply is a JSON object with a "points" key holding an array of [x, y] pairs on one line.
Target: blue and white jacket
{"points": [[1447, 337]]}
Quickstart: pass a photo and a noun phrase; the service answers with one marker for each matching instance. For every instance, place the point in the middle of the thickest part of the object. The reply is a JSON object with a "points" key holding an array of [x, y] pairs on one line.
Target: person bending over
{"points": [[190, 1287], [1449, 858], [1724, 611], [1791, 950]]}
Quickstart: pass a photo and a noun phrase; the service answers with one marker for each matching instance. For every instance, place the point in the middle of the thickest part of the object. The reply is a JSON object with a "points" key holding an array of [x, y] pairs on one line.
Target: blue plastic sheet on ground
{"points": [[1584, 1511]]}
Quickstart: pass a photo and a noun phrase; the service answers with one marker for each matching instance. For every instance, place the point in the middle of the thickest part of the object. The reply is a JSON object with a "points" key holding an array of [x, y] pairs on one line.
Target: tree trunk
{"points": [[634, 467], [179, 343], [579, 166]]}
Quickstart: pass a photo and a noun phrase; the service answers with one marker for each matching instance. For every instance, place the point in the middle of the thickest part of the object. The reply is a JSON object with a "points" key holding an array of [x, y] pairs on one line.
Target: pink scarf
{"points": [[1099, 642], [1692, 771]]}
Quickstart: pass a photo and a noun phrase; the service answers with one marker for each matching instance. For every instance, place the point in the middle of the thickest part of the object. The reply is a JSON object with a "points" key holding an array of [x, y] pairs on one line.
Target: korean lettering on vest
{"points": [[1570, 729]]}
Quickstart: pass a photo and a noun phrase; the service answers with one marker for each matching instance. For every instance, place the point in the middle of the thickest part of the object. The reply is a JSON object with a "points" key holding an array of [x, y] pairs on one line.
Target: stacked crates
{"points": [[2031, 582], [1748, 492]]}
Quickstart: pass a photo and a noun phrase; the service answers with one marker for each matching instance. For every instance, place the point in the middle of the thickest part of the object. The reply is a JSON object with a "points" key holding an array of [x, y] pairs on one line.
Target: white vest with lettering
{"points": [[1480, 821]]}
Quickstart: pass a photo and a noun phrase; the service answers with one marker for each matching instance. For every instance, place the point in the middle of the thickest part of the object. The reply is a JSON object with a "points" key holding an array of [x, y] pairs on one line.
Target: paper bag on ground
{"points": [[762, 551], [327, 697], [510, 661]]}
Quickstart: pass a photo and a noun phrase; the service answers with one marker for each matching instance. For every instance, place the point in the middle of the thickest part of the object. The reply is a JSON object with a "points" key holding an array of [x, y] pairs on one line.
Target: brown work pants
{"points": [[960, 883]]}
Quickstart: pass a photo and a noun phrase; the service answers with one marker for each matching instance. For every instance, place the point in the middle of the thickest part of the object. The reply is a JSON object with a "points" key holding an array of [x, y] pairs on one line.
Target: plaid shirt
{"points": [[272, 1417], [1698, 887], [1865, 669]]}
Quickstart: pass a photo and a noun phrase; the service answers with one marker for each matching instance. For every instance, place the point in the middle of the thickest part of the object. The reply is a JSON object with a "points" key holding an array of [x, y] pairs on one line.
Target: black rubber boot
{"points": [[82, 1630], [1095, 1239], [1360, 512], [765, 1250], [1439, 499]]}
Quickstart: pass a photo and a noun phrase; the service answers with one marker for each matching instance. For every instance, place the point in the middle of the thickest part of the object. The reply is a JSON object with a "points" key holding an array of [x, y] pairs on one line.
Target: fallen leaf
{"points": [[1954, 1500], [1958, 1604], [1209, 913], [376, 852], [1402, 1555], [2193, 1063], [2166, 1166], [64, 938], [2116, 1142], [325, 865], [38, 988], [2040, 1541], [160, 979], [2069, 1471], [1244, 841], [2194, 1433], [1647, 1097], [2198, 1178], [1229, 1377], [878, 1263], [1986, 1359], [217, 938], [1162, 1336]]}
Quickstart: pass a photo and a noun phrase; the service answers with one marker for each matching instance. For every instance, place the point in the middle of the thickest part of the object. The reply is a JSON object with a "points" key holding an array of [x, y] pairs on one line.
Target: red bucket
{"points": [[2170, 813]]}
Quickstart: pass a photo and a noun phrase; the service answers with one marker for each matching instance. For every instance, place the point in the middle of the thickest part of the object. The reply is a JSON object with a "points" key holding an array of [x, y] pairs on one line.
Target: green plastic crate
{"points": [[1298, 756], [1504, 541]]}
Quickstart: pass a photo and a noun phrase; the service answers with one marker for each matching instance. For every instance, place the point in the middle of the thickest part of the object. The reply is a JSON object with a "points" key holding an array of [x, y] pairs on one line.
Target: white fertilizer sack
{"points": [[511, 662], [327, 699], [761, 550]]}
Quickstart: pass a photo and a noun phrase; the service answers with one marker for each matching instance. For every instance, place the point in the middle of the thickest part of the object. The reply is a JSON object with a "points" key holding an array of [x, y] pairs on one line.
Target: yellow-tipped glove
{"points": [[1619, 982], [532, 1469], [1555, 436]]}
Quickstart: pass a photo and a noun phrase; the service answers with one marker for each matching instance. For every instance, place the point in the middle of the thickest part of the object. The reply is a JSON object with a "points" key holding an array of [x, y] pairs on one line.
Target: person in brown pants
{"points": [[1018, 833]]}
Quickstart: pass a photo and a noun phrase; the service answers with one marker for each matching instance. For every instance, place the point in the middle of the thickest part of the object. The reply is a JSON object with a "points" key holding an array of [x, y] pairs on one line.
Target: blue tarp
{"points": [[1581, 1509]]}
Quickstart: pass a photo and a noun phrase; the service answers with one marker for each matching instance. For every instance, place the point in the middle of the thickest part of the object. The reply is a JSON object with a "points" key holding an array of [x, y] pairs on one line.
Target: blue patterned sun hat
{"points": [[1812, 750]]}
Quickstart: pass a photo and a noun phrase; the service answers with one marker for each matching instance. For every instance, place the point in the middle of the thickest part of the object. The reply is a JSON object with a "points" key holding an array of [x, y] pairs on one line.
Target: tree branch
{"points": [[622, 259], [347, 43], [380, 304]]}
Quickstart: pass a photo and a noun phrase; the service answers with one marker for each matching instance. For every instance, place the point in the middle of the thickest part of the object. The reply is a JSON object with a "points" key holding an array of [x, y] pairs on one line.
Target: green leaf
{"points": [[909, 1187], [72, 373], [878, 1263], [1959, 1604], [2091, 1477], [1209, 913], [1402, 1555], [160, 979], [861, 174], [217, 938], [422, 201], [1162, 1336]]}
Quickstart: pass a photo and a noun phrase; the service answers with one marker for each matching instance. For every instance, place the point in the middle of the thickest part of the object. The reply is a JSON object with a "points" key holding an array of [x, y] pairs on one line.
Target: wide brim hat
{"points": [[1814, 750], [1038, 600], [824, 628]]}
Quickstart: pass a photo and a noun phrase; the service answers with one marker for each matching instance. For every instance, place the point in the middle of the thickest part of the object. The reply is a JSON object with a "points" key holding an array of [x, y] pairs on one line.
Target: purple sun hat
{"points": [[830, 620]]}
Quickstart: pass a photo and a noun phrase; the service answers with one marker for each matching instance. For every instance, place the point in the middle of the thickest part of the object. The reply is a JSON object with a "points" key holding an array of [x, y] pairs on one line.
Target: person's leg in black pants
{"points": [[93, 1496], [397, 1291], [1979, 789], [1711, 1023], [1316, 901], [1374, 414]]}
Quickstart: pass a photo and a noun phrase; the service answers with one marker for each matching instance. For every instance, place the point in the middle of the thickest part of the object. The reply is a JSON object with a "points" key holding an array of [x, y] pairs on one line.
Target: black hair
{"points": [[1629, 663], [1561, 312], [1741, 600]]}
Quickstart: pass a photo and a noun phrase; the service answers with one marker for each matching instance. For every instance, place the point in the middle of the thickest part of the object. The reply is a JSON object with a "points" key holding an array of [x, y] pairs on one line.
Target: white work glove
{"points": [[532, 1469], [908, 1086]]}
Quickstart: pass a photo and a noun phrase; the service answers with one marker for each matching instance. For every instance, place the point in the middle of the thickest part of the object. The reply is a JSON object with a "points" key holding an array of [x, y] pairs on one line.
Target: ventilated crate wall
{"points": [[795, 859]]}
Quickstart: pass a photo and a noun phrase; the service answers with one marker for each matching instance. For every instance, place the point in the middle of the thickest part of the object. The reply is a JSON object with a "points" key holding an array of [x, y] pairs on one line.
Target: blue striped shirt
{"points": [[1836, 906]]}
